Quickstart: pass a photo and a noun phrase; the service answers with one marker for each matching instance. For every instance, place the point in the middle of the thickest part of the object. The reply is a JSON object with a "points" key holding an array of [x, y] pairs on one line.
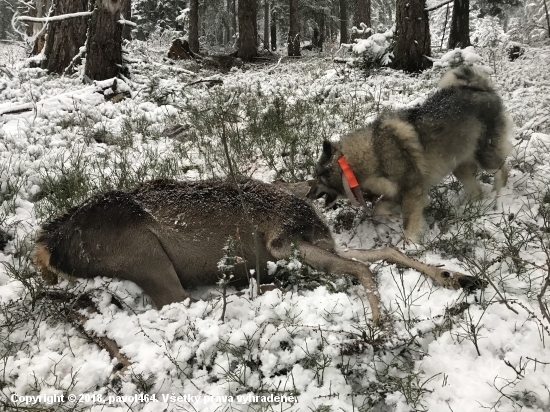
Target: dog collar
{"points": [[348, 173], [350, 183]]}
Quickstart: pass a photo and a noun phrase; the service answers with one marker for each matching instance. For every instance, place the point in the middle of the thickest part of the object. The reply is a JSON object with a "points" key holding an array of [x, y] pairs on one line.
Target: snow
{"points": [[456, 56], [315, 344]]}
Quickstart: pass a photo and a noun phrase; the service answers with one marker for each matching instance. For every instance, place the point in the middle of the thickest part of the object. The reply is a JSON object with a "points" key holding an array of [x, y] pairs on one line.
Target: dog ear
{"points": [[328, 148]]}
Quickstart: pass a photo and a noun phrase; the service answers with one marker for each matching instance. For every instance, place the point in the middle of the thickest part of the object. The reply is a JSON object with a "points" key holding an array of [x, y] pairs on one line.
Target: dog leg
{"points": [[325, 260], [501, 178], [466, 174], [442, 276], [412, 206], [386, 208]]}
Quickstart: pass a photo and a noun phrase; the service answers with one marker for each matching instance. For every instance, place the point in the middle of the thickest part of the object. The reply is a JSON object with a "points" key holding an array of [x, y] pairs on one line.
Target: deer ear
{"points": [[328, 148]]}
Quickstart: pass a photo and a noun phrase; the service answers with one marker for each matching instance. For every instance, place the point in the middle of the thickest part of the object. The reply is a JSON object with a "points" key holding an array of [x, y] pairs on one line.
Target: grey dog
{"points": [[402, 154]]}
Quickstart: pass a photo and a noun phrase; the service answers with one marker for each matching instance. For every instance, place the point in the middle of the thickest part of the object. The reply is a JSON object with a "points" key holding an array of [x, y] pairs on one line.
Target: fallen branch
{"points": [[78, 320], [211, 82], [93, 95], [54, 18]]}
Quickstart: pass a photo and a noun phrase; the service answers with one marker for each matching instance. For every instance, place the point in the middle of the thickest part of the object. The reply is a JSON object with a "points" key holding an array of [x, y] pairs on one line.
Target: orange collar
{"points": [[348, 173], [351, 186]]}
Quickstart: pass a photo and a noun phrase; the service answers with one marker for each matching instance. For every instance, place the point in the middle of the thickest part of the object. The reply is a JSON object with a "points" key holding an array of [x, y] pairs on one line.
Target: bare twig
{"points": [[245, 209], [543, 306]]}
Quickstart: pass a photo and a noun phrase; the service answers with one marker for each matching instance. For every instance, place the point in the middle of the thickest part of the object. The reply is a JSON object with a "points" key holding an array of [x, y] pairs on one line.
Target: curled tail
{"points": [[466, 76]]}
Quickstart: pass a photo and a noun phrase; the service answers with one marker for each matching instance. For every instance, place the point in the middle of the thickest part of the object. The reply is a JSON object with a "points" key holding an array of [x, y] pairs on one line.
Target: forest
{"points": [[100, 97]]}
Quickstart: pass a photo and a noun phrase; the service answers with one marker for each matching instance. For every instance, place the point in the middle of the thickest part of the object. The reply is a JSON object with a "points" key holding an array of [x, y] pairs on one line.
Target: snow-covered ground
{"points": [[437, 349]]}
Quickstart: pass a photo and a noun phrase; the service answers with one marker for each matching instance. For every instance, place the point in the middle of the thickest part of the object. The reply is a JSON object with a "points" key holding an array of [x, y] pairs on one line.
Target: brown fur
{"points": [[167, 236]]}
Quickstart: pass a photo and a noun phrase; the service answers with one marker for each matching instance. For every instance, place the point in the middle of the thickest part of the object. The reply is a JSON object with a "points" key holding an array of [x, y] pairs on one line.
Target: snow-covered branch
{"points": [[126, 22], [364, 29], [54, 18]]}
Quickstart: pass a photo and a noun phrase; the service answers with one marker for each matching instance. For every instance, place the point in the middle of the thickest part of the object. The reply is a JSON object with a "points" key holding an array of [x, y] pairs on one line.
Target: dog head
{"points": [[328, 176]]}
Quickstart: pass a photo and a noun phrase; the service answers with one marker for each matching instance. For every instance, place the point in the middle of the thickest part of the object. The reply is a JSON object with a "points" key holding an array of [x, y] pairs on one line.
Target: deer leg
{"points": [[444, 277], [153, 271], [325, 260]]}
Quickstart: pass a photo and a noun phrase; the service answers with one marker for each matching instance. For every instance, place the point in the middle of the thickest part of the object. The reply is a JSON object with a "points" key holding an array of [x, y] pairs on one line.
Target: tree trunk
{"points": [[104, 43], [194, 26], [227, 26], [255, 24], [247, 33], [294, 30], [322, 30], [273, 33], [266, 25], [362, 15], [234, 16], [459, 36], [42, 7], [65, 37], [343, 21], [315, 38], [444, 27], [412, 36], [547, 17], [127, 14]]}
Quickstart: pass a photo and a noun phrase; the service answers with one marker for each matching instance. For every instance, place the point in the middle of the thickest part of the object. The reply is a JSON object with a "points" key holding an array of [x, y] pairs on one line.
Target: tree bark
{"points": [[343, 21], [266, 25], [444, 27], [227, 26], [104, 44], [294, 30], [247, 29], [65, 37], [547, 17], [459, 36], [42, 7], [412, 36], [273, 33], [234, 16], [194, 25], [362, 15], [127, 14], [322, 30]]}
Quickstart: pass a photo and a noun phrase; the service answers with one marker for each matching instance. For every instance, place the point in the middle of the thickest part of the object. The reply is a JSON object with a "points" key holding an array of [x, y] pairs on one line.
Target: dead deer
{"points": [[167, 236]]}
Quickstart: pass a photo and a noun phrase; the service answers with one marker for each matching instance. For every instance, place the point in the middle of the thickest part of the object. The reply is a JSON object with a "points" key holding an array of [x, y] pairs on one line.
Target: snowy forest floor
{"points": [[436, 350]]}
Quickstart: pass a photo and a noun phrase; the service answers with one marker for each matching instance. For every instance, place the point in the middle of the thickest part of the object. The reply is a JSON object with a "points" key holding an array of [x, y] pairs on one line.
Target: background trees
{"points": [[412, 44], [247, 15], [294, 29], [7, 10], [362, 14], [104, 45], [194, 25], [65, 36], [240, 26], [459, 35]]}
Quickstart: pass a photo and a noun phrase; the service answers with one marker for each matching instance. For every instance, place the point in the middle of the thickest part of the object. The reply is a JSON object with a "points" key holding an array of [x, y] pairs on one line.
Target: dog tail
{"points": [[466, 76]]}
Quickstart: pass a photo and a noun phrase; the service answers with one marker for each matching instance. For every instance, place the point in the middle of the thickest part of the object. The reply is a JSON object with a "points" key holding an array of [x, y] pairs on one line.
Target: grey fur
{"points": [[167, 236], [402, 154]]}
